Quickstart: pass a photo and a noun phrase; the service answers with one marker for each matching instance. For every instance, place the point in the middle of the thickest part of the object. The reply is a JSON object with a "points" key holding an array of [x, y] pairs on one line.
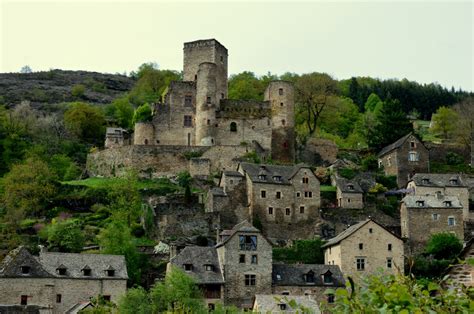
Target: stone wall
{"points": [[349, 200], [318, 151]]}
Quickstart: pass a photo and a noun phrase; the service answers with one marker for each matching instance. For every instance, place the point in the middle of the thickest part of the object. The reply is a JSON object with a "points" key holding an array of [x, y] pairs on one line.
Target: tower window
{"points": [[288, 211], [188, 101], [301, 209], [208, 99], [280, 91], [188, 267], [233, 127], [242, 258], [250, 280], [389, 247], [188, 122], [278, 195], [222, 58], [263, 194], [58, 298], [281, 104], [283, 122], [195, 77], [270, 210]]}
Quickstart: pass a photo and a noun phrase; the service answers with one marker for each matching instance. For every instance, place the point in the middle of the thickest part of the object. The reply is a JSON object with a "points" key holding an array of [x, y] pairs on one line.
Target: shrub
{"points": [[78, 90], [347, 173], [444, 246], [454, 159]]}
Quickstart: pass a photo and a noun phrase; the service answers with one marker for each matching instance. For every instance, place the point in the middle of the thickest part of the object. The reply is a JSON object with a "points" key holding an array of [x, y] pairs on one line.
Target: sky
{"points": [[424, 41]]}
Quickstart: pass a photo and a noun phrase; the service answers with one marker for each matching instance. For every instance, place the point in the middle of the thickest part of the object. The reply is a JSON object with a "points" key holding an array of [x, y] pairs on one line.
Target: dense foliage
{"points": [[302, 251]]}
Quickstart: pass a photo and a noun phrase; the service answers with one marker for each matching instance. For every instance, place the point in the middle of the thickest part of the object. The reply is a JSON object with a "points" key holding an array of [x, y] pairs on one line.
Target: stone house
{"points": [[60, 281], [424, 215], [349, 194], [308, 280], [463, 273], [404, 158], [275, 303], [363, 249], [446, 184], [117, 137]]}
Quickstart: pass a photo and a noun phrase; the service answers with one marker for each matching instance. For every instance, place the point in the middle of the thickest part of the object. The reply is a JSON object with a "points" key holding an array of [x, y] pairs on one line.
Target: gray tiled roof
{"points": [[271, 303], [254, 171], [431, 201], [12, 263], [233, 173], [74, 263], [217, 191], [438, 179], [344, 185], [394, 145], [293, 274], [198, 257]]}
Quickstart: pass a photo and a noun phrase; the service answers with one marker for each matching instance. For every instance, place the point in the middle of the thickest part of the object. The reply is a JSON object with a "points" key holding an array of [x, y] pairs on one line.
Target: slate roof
{"points": [[74, 263], [233, 173], [431, 201], [243, 226], [293, 275], [344, 185], [254, 171], [200, 256], [218, 191], [395, 145], [12, 263], [438, 180], [271, 303], [349, 231]]}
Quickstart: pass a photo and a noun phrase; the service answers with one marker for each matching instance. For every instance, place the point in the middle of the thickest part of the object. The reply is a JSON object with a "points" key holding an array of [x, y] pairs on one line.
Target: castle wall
{"points": [[144, 133], [206, 104], [246, 131]]}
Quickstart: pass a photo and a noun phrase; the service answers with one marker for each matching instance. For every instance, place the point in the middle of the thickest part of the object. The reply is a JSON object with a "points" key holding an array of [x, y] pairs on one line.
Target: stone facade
{"points": [[425, 215], [27, 280], [463, 273], [349, 194], [404, 158], [365, 248]]}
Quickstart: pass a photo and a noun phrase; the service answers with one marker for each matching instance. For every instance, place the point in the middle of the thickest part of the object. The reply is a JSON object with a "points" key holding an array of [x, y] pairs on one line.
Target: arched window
{"points": [[233, 127], [146, 141]]}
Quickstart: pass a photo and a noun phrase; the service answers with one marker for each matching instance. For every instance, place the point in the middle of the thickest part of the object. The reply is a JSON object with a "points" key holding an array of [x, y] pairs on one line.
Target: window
{"points": [[106, 298], [285, 293], [188, 267], [188, 101], [389, 247], [282, 306], [305, 180], [278, 195], [110, 272], [309, 277], [412, 144], [331, 298], [61, 271], [370, 230], [308, 194], [435, 216], [361, 246], [327, 278], [389, 161], [270, 210], [425, 181], [263, 194], [453, 181], [451, 221], [248, 243], [195, 77], [211, 306], [254, 259], [233, 127], [301, 209], [348, 200], [242, 258], [208, 99], [277, 178], [389, 262], [360, 263], [262, 177], [86, 271], [420, 203], [413, 156], [209, 267], [298, 194], [25, 270], [250, 280], [24, 300], [188, 122], [380, 164], [222, 58], [350, 187], [280, 91], [283, 122], [287, 211], [448, 204], [281, 104], [58, 298]]}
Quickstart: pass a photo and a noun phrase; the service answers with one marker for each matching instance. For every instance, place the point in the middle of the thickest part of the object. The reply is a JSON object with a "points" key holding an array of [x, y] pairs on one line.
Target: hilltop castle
{"points": [[197, 112]]}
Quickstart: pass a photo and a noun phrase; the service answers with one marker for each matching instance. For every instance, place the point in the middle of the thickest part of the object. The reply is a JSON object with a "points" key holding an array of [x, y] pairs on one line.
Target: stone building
{"points": [[449, 184], [275, 195], [404, 158], [349, 194], [424, 215], [60, 281], [364, 248], [117, 137], [196, 112]]}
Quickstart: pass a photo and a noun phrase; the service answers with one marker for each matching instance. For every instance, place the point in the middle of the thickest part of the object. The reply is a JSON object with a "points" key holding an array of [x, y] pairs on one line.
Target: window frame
{"points": [[250, 280]]}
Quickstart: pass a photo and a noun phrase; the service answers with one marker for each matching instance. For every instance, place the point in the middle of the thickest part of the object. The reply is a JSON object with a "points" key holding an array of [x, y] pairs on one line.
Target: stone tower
{"points": [[281, 96], [205, 62]]}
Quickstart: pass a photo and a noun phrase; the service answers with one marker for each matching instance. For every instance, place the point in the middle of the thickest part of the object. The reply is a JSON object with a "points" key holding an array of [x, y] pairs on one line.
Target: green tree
{"points": [[179, 292], [373, 103], [444, 246], [78, 90], [121, 110], [465, 125], [28, 188], [142, 114], [444, 122], [312, 91], [302, 251], [65, 236], [136, 300], [86, 122], [246, 85]]}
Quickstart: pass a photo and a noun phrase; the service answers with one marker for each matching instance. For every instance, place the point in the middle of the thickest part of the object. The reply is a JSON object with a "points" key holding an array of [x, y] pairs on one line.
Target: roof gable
{"points": [[387, 149], [12, 263], [438, 180], [293, 274]]}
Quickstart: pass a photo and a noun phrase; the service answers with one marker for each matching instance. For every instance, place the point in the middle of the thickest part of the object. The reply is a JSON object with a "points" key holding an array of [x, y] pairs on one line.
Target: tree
{"points": [[312, 91], [86, 122], [179, 292], [29, 186], [26, 69], [65, 236], [373, 103], [121, 110], [302, 251], [464, 126], [399, 294], [444, 122], [142, 114], [246, 85], [444, 246], [78, 90], [136, 300]]}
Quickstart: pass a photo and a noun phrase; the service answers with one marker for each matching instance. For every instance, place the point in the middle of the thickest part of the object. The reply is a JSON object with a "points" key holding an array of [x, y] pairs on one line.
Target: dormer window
{"points": [[277, 178], [350, 187], [453, 181], [188, 267], [262, 177], [61, 270], [208, 99], [248, 243], [327, 277], [209, 267], [110, 271], [448, 204], [86, 271], [25, 270], [282, 306], [420, 203], [309, 277], [425, 181]]}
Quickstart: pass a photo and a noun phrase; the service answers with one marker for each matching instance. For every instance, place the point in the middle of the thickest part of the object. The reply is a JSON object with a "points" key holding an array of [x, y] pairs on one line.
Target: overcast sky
{"points": [[424, 41]]}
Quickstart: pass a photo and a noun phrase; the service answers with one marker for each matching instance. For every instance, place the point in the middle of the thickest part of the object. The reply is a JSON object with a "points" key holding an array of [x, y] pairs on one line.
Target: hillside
{"points": [[57, 86]]}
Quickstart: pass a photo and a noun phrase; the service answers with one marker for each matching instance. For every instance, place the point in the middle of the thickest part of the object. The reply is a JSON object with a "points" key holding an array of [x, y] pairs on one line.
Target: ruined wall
{"points": [[144, 133], [199, 167]]}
